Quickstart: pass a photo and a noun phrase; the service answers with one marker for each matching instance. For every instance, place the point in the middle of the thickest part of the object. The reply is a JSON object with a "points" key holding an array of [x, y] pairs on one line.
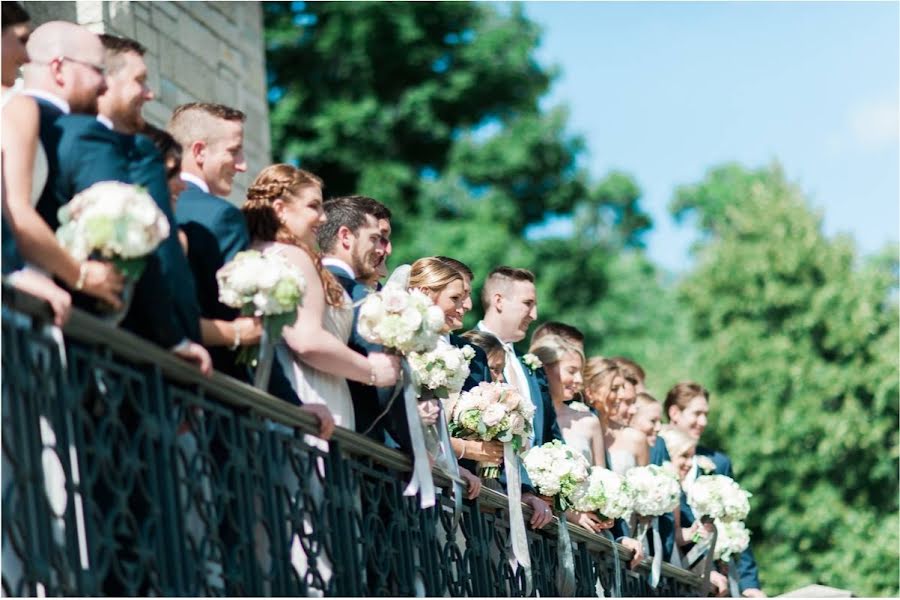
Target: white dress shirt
{"points": [[51, 98], [332, 261], [191, 178]]}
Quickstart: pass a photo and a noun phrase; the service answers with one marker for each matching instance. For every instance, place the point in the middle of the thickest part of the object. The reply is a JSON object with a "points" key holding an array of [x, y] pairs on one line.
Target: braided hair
{"points": [[273, 183]]}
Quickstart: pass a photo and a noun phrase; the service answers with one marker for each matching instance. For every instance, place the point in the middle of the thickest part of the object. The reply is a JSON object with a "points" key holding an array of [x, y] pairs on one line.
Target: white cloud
{"points": [[876, 124]]}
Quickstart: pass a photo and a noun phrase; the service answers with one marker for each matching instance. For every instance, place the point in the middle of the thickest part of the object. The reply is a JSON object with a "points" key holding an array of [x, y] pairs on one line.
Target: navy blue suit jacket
{"points": [[377, 413], [87, 152], [216, 232], [749, 572]]}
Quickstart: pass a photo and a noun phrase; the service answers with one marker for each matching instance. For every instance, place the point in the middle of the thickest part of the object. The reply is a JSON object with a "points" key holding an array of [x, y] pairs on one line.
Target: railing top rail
{"points": [[87, 328]]}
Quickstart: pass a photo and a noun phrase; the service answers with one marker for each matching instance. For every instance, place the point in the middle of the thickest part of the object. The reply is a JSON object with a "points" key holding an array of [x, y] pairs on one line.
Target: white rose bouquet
{"points": [[491, 411], [118, 221], [656, 491], [556, 470], [719, 497], [604, 492], [399, 319], [262, 285], [733, 538], [442, 371]]}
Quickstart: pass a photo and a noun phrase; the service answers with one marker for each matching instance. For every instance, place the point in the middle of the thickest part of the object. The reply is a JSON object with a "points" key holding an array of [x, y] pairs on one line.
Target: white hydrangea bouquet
{"points": [[733, 538], [402, 320], [441, 372], [656, 490], [262, 285], [491, 411], [604, 492], [718, 497], [118, 221], [556, 470]]}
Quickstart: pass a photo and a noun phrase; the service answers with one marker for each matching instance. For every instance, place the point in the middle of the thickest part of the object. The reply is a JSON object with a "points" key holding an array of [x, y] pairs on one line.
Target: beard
{"points": [[84, 104], [362, 266]]}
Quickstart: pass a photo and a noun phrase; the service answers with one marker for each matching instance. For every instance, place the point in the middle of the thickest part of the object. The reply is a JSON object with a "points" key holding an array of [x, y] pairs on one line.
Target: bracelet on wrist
{"points": [[82, 275]]}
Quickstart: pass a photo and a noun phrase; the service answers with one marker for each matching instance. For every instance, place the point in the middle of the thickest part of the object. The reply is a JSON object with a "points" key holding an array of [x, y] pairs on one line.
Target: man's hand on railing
{"points": [[719, 584], [473, 480], [541, 512], [636, 547], [754, 593], [589, 521], [195, 353], [324, 416]]}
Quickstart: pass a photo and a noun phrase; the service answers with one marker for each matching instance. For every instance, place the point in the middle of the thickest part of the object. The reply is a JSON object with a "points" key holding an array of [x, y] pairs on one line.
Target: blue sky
{"points": [[664, 91]]}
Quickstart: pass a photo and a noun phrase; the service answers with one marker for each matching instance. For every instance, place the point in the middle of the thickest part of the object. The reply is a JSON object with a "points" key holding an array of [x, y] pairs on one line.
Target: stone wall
{"points": [[196, 51]]}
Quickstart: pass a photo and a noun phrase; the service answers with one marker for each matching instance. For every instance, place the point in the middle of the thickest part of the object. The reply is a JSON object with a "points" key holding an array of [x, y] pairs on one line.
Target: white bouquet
{"points": [[442, 371], [400, 319], [118, 221], [604, 492], [656, 491], [491, 411], [262, 285], [556, 470], [733, 538], [719, 497]]}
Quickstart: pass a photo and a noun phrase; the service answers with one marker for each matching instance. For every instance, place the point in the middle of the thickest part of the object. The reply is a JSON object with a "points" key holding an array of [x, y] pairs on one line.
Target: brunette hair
{"points": [[501, 275], [273, 183], [13, 14], [115, 47], [349, 212], [166, 144], [682, 393], [559, 329], [488, 342]]}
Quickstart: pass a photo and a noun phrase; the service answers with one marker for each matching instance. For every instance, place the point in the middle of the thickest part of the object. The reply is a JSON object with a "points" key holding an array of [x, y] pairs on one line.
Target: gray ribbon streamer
{"points": [[264, 362], [617, 565], [452, 465], [656, 567], [734, 587], [565, 576], [421, 481], [517, 533]]}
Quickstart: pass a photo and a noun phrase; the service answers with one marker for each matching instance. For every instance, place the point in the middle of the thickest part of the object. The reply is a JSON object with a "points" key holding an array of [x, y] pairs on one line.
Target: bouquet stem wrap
{"points": [[617, 565], [266, 355], [452, 466], [565, 576], [516, 518], [421, 481], [734, 588], [656, 565]]}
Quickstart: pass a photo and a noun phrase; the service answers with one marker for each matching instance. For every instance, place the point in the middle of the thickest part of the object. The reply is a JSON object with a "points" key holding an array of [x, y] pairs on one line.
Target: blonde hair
{"points": [[599, 373], [277, 182], [677, 441], [645, 399], [433, 274], [551, 349]]}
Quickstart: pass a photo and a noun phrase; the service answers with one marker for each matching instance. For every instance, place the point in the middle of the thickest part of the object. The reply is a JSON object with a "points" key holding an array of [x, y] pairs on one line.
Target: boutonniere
{"points": [[532, 361], [706, 464], [579, 406]]}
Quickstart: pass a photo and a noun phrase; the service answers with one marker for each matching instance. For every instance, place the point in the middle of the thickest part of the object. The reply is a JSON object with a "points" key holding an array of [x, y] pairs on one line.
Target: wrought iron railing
{"points": [[125, 472]]}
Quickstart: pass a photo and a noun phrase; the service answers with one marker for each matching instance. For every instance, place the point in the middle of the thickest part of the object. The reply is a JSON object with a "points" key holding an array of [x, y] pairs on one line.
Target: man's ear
{"points": [[497, 302], [345, 237], [673, 413], [198, 152]]}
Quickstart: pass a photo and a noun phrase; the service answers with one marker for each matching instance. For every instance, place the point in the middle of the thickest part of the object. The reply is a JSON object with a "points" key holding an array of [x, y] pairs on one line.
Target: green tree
{"points": [[800, 341]]}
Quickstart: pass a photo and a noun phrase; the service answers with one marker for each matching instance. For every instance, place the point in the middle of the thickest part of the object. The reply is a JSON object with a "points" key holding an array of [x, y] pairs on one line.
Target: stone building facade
{"points": [[196, 51]]}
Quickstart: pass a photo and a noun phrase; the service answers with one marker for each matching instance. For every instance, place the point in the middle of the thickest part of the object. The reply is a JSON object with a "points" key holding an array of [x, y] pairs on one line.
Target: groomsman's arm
{"points": [[230, 229]]}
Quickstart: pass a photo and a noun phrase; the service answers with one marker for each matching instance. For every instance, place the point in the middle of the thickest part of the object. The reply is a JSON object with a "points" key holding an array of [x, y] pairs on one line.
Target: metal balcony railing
{"points": [[125, 472]]}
